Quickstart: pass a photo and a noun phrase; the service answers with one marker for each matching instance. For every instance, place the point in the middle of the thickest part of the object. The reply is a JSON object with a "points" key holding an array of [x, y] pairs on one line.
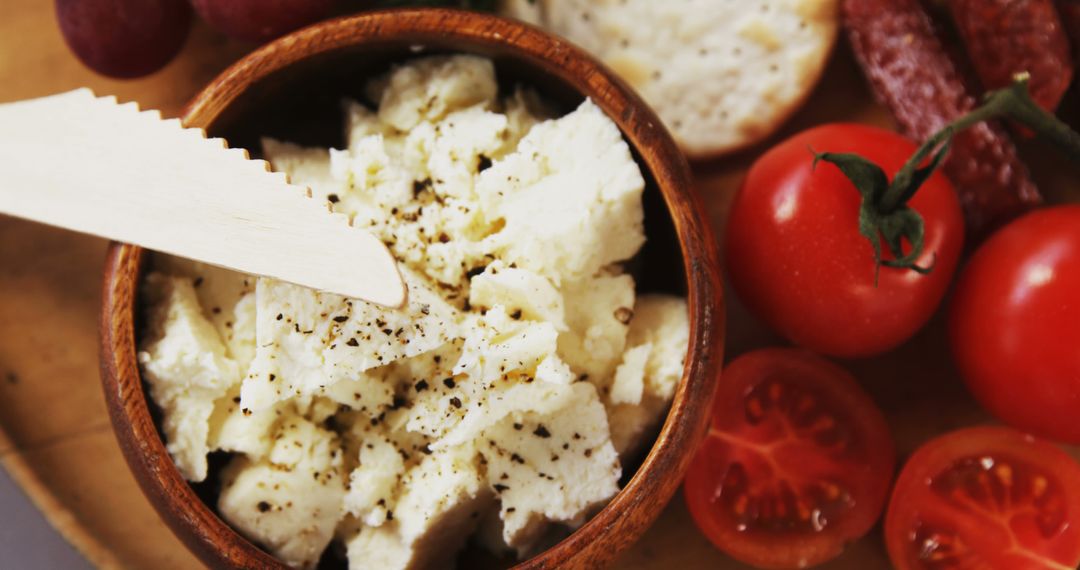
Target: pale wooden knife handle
{"points": [[87, 164]]}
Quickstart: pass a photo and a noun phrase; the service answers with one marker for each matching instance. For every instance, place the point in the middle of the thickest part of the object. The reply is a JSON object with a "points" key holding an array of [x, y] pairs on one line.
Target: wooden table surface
{"points": [[55, 436]]}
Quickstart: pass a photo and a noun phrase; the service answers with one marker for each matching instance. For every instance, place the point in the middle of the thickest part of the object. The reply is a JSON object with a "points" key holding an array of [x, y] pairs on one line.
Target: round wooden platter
{"points": [[55, 436]]}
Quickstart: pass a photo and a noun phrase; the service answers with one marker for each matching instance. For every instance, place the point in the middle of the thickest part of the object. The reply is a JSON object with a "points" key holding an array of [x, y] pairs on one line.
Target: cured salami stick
{"points": [[1006, 37], [1070, 18], [911, 73]]}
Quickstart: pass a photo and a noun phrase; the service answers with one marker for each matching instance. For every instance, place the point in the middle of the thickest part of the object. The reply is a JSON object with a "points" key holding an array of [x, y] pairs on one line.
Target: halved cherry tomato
{"points": [[1015, 323], [986, 497], [797, 462], [796, 258]]}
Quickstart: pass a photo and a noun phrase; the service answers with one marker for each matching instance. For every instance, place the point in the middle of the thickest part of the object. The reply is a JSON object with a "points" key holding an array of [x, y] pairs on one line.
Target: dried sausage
{"points": [[1005, 37], [912, 74]]}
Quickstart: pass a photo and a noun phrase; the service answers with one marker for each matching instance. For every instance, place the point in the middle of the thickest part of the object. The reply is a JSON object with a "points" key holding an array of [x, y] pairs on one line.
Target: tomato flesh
{"points": [[796, 258], [1015, 323], [986, 497], [797, 461]]}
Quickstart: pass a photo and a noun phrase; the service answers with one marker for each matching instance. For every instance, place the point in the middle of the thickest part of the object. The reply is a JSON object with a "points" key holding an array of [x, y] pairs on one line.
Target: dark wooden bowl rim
{"points": [[629, 514]]}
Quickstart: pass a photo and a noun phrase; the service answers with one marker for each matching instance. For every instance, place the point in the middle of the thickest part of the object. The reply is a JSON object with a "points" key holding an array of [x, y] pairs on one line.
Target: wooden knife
{"points": [[92, 165]]}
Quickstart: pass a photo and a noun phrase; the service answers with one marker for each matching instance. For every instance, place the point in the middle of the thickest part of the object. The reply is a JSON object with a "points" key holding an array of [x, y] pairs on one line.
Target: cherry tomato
{"points": [[796, 258], [986, 497], [797, 462], [1015, 323]]}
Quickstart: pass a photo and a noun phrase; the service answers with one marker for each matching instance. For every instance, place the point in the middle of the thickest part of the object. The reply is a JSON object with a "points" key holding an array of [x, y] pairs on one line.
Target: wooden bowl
{"points": [[291, 88]]}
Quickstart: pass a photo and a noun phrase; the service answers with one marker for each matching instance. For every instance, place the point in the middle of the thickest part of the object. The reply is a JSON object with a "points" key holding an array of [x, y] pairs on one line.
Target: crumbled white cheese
{"points": [[291, 501], [440, 505], [507, 389], [230, 429], [496, 344], [374, 483], [651, 368], [597, 313], [308, 340], [551, 467], [569, 198], [427, 89], [187, 369], [518, 290], [629, 381], [662, 322]]}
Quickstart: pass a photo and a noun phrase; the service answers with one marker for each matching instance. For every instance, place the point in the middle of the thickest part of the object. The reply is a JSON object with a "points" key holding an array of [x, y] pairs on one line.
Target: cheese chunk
{"points": [[597, 312], [437, 511], [629, 384], [291, 501], [661, 321], [651, 367], [518, 290], [569, 198], [233, 430], [509, 400], [225, 298], [187, 369], [551, 467], [378, 547], [497, 344], [497, 353], [373, 485], [308, 340], [427, 89]]}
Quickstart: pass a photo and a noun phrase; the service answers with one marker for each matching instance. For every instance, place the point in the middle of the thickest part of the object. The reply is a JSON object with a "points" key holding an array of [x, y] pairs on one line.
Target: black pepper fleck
{"points": [[483, 163], [541, 431]]}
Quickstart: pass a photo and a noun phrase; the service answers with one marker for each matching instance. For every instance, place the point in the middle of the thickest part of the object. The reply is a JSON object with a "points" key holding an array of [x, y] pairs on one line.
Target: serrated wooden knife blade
{"points": [[92, 165]]}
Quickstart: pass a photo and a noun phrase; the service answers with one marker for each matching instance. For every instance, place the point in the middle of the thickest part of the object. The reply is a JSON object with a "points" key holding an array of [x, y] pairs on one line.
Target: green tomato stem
{"points": [[1012, 102]]}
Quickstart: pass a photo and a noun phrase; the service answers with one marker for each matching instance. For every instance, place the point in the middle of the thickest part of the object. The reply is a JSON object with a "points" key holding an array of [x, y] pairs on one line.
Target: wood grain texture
{"points": [[382, 38]]}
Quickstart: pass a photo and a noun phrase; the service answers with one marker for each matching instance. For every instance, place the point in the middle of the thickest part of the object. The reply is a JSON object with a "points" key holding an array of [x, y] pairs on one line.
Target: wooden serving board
{"points": [[55, 436]]}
